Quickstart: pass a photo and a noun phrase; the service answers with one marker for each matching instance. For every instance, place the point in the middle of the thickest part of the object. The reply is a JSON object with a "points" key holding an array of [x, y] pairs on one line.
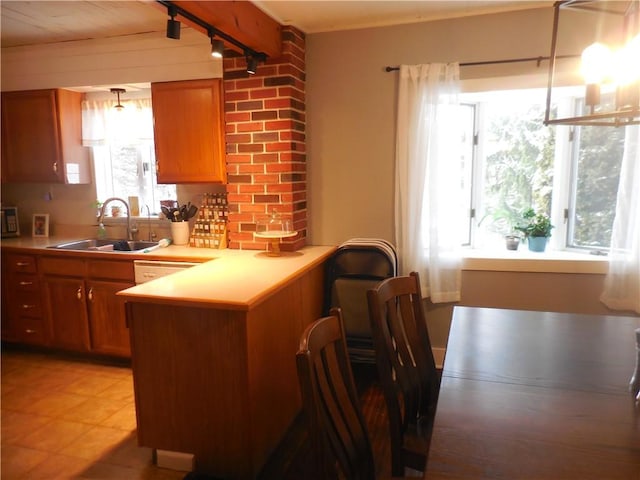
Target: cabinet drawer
{"points": [[30, 330], [21, 263], [111, 269], [26, 304], [75, 267], [21, 282]]}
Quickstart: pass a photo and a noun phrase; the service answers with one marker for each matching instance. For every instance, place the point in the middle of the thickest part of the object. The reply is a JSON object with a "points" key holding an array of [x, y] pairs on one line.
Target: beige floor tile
{"points": [[93, 410], [69, 419], [22, 399], [96, 443], [127, 453], [104, 471], [57, 403], [92, 385], [123, 419], [29, 375], [17, 461], [120, 390], [59, 467], [54, 436], [17, 425]]}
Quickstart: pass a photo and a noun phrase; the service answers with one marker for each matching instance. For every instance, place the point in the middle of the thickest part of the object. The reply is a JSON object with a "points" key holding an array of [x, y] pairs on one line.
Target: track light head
{"points": [[217, 47], [173, 25], [252, 63]]}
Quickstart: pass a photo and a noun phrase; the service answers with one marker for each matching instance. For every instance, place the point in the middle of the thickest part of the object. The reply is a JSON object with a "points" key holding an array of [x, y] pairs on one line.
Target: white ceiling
{"points": [[314, 16], [38, 22]]}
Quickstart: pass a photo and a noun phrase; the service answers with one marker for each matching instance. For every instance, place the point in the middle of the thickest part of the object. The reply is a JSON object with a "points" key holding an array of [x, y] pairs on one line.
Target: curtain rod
{"points": [[538, 60]]}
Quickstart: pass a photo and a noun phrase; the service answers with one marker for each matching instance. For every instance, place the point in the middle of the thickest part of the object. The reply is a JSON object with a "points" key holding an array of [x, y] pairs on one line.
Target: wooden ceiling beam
{"points": [[239, 19]]}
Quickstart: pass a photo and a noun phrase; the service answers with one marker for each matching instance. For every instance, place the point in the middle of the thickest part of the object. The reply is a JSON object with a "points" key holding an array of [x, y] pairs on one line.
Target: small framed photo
{"points": [[40, 224]]}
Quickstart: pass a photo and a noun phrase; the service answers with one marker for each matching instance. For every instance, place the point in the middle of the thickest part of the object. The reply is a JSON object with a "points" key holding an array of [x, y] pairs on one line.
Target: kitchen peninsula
{"points": [[213, 355]]}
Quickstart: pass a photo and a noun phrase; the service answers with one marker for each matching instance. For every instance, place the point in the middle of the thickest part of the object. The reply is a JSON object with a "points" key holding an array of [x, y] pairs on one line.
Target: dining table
{"points": [[537, 395]]}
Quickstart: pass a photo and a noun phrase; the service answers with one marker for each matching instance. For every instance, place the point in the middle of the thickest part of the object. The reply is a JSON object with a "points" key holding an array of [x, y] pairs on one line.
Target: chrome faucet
{"points": [[104, 206], [152, 234]]}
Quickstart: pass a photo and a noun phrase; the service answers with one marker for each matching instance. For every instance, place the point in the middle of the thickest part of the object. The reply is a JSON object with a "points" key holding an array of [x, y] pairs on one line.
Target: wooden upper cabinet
{"points": [[188, 125], [42, 137]]}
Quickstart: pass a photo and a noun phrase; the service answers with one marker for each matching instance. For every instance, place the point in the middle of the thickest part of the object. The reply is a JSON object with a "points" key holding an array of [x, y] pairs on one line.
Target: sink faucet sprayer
{"points": [[104, 206]]}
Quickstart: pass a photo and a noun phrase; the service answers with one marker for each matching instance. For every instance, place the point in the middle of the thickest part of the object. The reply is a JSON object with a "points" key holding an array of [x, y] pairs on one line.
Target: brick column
{"points": [[265, 136]]}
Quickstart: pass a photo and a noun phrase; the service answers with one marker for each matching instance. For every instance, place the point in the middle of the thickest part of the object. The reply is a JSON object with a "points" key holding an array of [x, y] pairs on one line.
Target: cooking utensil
{"points": [[192, 211]]}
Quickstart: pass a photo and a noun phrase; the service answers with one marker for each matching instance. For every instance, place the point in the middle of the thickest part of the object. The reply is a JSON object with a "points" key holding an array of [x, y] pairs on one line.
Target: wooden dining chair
{"points": [[339, 438], [406, 368]]}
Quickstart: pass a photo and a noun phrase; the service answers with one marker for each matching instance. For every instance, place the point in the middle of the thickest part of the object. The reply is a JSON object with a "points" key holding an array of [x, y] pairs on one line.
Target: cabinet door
{"points": [[66, 302], [109, 333], [188, 119], [42, 137]]}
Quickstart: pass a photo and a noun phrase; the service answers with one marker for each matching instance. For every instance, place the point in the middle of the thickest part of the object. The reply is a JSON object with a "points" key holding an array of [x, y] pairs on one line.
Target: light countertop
{"points": [[227, 279], [234, 280]]}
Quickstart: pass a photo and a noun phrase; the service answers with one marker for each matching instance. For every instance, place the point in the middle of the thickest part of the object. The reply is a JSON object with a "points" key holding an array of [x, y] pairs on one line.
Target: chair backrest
{"points": [[339, 437], [405, 362]]}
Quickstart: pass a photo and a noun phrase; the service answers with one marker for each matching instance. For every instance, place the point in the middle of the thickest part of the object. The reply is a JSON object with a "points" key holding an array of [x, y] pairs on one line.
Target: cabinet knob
{"points": [[26, 306], [55, 167], [22, 264], [28, 330], [79, 293], [25, 284], [90, 295]]}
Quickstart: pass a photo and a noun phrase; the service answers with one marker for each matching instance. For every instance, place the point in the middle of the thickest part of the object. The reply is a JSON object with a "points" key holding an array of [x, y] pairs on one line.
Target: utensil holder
{"points": [[180, 233]]}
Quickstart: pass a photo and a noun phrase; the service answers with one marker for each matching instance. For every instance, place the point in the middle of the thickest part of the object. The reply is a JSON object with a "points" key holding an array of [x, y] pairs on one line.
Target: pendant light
{"points": [[118, 91]]}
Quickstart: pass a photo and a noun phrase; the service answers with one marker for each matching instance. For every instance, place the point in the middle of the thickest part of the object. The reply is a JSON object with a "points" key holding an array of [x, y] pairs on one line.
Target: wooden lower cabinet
{"points": [[85, 315], [66, 300], [221, 384], [107, 324], [23, 318]]}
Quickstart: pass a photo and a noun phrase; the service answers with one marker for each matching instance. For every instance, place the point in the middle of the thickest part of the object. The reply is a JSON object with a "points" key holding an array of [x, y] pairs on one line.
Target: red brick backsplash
{"points": [[265, 135]]}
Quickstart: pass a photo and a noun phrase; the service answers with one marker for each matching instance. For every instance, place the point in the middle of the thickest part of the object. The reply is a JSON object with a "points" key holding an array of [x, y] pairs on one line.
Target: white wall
{"points": [[351, 105]]}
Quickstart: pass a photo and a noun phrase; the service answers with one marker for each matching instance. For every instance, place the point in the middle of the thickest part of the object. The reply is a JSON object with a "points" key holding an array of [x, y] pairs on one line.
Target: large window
{"points": [[123, 151], [570, 173]]}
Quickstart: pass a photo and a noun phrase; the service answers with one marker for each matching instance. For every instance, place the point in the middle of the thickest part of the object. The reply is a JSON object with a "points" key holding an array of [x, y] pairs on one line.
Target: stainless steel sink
{"points": [[106, 245]]}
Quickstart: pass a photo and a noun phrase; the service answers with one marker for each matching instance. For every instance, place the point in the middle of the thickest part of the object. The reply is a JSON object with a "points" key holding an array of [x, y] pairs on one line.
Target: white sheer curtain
{"points": [[102, 124], [428, 178], [622, 284]]}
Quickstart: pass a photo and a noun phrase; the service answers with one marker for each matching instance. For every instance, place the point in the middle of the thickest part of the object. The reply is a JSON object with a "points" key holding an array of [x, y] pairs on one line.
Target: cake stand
{"points": [[274, 238]]}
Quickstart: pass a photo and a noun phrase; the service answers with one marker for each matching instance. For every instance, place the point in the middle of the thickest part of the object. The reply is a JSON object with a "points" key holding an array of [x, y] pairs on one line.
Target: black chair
{"points": [[339, 438], [406, 368]]}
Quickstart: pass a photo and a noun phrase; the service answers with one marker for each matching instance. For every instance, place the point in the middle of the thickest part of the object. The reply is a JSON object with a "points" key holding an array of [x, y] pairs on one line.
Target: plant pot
{"points": [[537, 244], [512, 242]]}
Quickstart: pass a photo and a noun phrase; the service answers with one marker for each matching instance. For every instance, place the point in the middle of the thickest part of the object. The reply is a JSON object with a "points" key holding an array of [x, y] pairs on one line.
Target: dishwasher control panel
{"points": [[147, 270]]}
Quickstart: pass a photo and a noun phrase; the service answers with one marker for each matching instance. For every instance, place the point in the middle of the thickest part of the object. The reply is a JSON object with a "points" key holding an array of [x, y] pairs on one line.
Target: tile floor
{"points": [[64, 418]]}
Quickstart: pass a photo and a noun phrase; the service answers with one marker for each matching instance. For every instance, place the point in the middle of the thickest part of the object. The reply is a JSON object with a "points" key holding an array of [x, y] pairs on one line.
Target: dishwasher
{"points": [[147, 270]]}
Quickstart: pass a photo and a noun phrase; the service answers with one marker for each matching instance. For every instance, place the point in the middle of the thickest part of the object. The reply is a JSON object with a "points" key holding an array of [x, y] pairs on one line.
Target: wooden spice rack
{"points": [[210, 227]]}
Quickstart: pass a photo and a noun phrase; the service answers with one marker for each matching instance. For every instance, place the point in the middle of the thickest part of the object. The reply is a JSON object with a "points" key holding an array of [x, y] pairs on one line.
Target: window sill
{"points": [[522, 260]]}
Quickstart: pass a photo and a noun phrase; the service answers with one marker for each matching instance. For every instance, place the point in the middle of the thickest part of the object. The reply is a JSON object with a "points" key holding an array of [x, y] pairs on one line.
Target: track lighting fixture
{"points": [[173, 26], [218, 43], [217, 46], [252, 63], [118, 91]]}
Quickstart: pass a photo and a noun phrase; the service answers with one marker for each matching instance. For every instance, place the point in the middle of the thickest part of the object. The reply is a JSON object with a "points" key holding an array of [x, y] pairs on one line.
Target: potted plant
{"points": [[536, 228]]}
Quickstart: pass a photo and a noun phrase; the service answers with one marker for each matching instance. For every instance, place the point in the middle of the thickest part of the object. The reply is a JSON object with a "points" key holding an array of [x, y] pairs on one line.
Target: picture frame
{"points": [[40, 225]]}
